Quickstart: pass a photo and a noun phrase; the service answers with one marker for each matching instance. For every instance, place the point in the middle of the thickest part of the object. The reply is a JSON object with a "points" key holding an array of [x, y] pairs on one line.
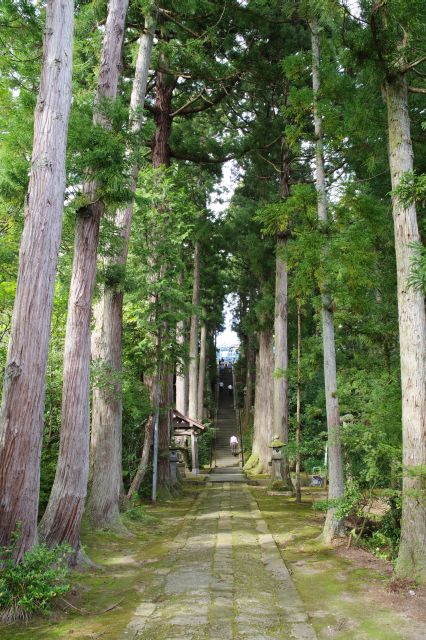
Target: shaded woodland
{"points": [[122, 242]]}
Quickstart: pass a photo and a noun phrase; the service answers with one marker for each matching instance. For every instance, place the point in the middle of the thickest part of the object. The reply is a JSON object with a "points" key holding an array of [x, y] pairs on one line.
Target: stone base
{"points": [[287, 494]]}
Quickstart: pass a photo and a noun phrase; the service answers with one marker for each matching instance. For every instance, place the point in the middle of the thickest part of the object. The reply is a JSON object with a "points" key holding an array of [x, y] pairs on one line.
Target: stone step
{"points": [[227, 477], [227, 470]]}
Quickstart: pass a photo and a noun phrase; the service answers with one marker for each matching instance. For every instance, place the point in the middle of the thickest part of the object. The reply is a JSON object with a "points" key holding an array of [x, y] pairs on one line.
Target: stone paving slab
{"points": [[225, 579]]}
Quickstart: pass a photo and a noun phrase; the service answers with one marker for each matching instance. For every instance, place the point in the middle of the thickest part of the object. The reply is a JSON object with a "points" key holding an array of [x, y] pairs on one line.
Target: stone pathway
{"points": [[224, 579]]}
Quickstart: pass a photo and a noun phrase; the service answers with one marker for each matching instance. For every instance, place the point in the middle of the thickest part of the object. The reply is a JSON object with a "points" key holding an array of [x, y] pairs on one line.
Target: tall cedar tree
{"points": [[62, 518], [21, 422]]}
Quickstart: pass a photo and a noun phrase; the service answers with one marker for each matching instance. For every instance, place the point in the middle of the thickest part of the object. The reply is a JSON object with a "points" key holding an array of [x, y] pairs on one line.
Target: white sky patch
{"points": [[353, 6], [228, 337], [219, 202]]}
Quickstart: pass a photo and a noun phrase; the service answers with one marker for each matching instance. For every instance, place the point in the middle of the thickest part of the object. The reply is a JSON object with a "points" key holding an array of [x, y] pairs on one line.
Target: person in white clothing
{"points": [[234, 444]]}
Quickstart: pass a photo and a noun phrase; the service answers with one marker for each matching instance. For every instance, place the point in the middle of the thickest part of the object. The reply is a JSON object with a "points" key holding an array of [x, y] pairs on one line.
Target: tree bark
{"points": [[333, 526], [62, 518], [298, 404], [280, 382], [411, 560], [248, 399], [264, 403], [166, 385], [181, 373], [202, 371], [165, 85], [106, 477], [193, 337], [21, 421]]}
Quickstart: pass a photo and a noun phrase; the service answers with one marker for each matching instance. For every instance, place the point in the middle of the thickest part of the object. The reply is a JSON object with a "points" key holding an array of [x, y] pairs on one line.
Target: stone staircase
{"points": [[227, 474], [228, 467]]}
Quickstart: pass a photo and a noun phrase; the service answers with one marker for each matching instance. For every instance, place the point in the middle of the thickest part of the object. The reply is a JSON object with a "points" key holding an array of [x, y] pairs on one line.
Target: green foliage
{"points": [[349, 504], [30, 586], [205, 442], [417, 278], [137, 513], [107, 379], [411, 189]]}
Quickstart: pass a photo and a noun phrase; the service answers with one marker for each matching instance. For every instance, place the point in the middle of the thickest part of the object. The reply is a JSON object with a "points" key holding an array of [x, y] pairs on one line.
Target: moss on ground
{"points": [[337, 594], [102, 602]]}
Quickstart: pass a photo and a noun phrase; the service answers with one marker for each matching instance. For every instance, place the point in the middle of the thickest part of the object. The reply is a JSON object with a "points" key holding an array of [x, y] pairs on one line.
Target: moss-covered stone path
{"points": [[225, 579], [208, 565]]}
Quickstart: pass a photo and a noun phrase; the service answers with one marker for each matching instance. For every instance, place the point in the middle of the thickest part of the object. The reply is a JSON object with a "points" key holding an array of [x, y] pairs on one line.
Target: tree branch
{"points": [[414, 63], [188, 110], [199, 158], [169, 16], [187, 104], [416, 90]]}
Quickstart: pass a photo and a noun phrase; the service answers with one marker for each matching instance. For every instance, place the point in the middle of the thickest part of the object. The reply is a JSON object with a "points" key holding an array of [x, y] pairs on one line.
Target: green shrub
{"points": [[30, 586], [384, 542], [205, 442], [137, 513]]}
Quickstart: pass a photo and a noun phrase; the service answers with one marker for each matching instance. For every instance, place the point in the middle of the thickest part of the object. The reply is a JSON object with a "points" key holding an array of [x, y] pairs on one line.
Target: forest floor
{"points": [[209, 566]]}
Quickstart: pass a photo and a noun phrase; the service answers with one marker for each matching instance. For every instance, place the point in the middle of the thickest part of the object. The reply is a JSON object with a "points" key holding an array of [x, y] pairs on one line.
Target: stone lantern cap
{"points": [[276, 443]]}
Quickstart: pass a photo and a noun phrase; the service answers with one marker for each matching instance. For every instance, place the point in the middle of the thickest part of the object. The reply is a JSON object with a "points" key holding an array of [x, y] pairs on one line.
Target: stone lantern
{"points": [[277, 482], [276, 445], [174, 459]]}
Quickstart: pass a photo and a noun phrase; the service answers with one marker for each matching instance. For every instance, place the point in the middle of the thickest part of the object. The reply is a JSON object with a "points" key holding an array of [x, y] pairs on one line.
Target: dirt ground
{"points": [[401, 595]]}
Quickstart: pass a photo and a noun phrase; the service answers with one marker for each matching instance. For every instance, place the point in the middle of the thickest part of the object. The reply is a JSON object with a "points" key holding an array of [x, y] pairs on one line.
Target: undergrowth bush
{"points": [[137, 513], [384, 543], [30, 586], [205, 442], [378, 534]]}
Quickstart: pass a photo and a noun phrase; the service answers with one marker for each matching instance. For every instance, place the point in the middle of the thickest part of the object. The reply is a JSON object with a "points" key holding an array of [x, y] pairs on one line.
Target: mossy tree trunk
{"points": [[298, 487]]}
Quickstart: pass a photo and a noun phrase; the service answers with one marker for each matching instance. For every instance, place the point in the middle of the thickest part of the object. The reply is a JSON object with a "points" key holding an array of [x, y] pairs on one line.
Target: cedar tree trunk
{"points": [[193, 337], [333, 526], [248, 399], [106, 477], [411, 560], [264, 401], [280, 428], [21, 421], [181, 373], [62, 518], [202, 371]]}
